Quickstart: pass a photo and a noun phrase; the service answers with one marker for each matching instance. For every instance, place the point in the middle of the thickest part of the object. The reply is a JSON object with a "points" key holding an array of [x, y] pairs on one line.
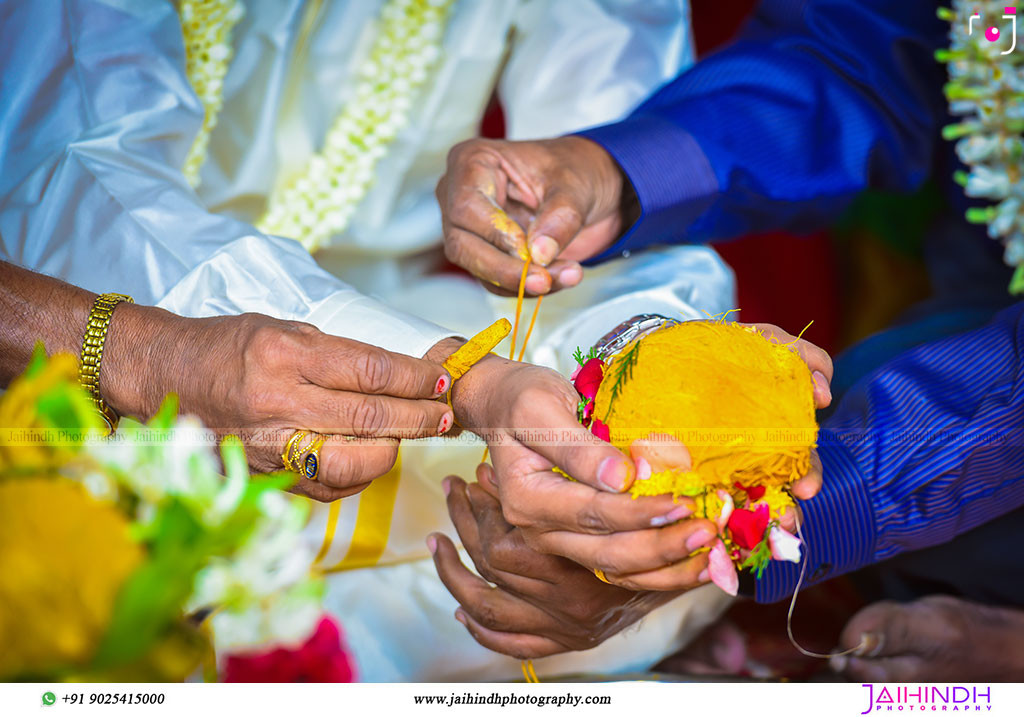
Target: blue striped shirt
{"points": [[919, 451], [780, 130], [818, 100]]}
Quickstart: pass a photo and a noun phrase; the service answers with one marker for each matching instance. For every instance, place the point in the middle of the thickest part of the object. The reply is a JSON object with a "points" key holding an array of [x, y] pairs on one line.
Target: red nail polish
{"points": [[442, 385], [446, 423]]}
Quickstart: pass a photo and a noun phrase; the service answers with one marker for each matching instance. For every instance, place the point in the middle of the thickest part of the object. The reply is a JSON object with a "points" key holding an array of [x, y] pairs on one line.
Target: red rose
{"points": [[748, 526], [754, 492], [600, 429], [588, 378], [322, 658], [588, 412]]}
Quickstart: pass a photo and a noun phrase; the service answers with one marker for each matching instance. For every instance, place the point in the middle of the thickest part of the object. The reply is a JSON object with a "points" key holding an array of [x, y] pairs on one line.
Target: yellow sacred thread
{"points": [[529, 330], [527, 665], [529, 674], [377, 502], [515, 332], [476, 348], [519, 310]]}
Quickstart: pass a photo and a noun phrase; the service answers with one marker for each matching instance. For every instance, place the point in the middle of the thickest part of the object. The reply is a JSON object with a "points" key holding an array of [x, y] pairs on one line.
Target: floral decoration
{"points": [[122, 555], [206, 26], [986, 91]]}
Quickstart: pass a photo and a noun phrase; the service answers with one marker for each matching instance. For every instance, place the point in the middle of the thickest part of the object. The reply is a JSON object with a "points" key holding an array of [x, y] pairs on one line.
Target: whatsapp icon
{"points": [[49, 698]]}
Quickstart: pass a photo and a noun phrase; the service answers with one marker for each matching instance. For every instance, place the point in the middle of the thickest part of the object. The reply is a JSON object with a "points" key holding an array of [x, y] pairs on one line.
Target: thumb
{"points": [[581, 454], [558, 220]]}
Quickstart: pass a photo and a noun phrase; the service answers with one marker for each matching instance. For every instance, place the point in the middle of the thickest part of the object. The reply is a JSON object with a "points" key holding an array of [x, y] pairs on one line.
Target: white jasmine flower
{"points": [[986, 89]]}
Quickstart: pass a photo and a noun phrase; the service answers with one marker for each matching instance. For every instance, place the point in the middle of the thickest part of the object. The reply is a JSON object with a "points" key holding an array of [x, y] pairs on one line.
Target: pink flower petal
{"points": [[601, 430], [727, 508], [324, 657], [784, 545], [722, 570], [589, 378]]}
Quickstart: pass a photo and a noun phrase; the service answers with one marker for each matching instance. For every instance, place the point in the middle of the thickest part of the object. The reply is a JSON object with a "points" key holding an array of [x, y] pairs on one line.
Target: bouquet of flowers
{"points": [[121, 556], [743, 407]]}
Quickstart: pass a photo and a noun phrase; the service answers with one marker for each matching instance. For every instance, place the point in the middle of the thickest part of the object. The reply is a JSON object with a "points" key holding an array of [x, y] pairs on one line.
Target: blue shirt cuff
{"points": [[838, 526], [672, 178]]}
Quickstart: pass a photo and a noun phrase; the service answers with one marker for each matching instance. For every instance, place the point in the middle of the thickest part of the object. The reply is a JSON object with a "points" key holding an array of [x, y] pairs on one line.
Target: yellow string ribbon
{"points": [[529, 674], [527, 665], [529, 330], [476, 348], [377, 502], [519, 310]]}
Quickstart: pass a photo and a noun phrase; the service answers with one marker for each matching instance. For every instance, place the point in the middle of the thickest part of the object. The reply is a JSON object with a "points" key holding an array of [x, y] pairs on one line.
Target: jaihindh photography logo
{"points": [[927, 698]]}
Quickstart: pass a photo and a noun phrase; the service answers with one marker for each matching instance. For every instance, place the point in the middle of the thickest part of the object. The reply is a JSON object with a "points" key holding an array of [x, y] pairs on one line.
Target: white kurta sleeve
{"points": [[97, 118], [587, 62]]}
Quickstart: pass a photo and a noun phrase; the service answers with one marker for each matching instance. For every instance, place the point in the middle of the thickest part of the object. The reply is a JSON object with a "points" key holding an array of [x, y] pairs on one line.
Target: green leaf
{"points": [[759, 557], [581, 408], [168, 411], [278, 480], [65, 406], [38, 360], [1017, 283], [152, 599], [980, 215], [582, 358], [623, 368]]}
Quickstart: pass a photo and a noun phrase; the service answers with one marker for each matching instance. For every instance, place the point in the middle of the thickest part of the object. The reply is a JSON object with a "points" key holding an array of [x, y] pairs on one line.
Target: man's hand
{"points": [[262, 378], [541, 604], [527, 415], [820, 364], [567, 193]]}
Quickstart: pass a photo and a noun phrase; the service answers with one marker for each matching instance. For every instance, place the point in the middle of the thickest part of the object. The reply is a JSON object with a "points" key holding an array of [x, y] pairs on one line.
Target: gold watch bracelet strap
{"points": [[92, 352]]}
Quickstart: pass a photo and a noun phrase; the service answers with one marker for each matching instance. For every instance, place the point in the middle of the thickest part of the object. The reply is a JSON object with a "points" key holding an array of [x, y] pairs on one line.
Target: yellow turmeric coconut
{"points": [[741, 404]]}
